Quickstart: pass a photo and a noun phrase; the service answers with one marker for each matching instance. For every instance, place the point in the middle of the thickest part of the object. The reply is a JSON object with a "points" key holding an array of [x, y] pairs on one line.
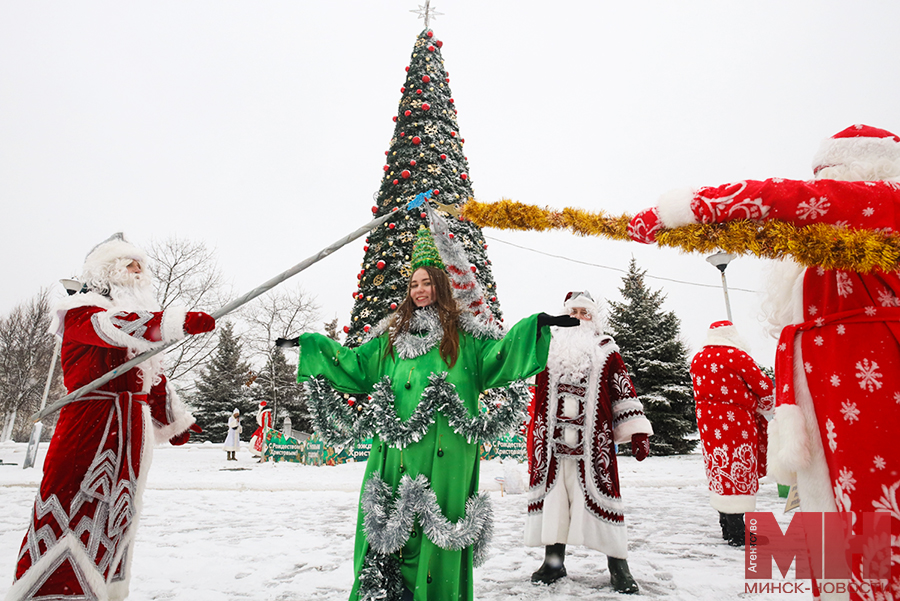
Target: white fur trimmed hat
{"points": [[580, 299], [113, 248], [857, 144], [723, 333]]}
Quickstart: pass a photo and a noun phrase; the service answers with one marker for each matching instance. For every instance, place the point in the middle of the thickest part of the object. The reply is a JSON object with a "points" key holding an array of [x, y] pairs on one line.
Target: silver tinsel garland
{"points": [[339, 424], [389, 522]]}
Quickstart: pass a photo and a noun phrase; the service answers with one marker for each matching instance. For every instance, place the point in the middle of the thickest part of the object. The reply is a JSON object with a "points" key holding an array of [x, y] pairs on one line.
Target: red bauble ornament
{"points": [[436, 192], [452, 134], [387, 167], [463, 176], [366, 248], [416, 140], [485, 247], [412, 163], [407, 69], [430, 33], [423, 215], [391, 226], [443, 157], [431, 49], [374, 209], [425, 106], [419, 92], [394, 209], [439, 44], [366, 328], [386, 152], [462, 140], [447, 80], [396, 181], [402, 90], [354, 295], [407, 113], [402, 134], [493, 299], [450, 235], [404, 174], [473, 268], [425, 79], [380, 264], [346, 329], [451, 101], [393, 306], [395, 120]]}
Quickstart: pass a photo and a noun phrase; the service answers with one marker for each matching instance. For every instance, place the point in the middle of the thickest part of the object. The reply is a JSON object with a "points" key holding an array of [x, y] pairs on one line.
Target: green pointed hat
{"points": [[424, 251]]}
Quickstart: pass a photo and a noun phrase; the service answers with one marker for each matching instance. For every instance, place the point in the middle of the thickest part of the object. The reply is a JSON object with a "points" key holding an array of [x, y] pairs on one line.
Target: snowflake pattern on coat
{"points": [[732, 396]]}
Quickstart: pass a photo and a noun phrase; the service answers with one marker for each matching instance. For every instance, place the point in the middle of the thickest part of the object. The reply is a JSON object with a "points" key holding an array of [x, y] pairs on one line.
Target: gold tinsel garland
{"points": [[818, 244]]}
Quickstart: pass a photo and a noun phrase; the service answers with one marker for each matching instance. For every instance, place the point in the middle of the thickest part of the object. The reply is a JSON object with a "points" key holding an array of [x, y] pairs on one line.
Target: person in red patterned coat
{"points": [[80, 541], [584, 404], [733, 398], [837, 368]]}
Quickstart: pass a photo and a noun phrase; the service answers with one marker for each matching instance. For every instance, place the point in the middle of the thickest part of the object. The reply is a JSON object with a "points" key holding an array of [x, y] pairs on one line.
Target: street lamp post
{"points": [[720, 261]]}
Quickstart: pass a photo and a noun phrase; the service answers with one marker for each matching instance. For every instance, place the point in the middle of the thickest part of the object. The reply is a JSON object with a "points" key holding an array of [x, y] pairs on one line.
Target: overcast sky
{"points": [[259, 127]]}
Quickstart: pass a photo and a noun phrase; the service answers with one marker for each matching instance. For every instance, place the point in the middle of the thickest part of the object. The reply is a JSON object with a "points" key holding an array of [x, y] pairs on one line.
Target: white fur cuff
{"points": [[675, 208], [172, 327]]}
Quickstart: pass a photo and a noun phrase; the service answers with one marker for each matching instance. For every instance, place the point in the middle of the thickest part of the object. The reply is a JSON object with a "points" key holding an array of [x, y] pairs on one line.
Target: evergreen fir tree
{"points": [[221, 388], [425, 154], [657, 362], [281, 392]]}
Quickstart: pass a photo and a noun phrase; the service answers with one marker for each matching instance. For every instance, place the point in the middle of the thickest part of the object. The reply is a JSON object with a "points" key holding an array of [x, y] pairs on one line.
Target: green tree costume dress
{"points": [[436, 457]]}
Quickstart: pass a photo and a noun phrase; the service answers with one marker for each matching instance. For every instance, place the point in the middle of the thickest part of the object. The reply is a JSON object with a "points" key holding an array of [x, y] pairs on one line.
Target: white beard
{"points": [[782, 301], [573, 351], [134, 293]]}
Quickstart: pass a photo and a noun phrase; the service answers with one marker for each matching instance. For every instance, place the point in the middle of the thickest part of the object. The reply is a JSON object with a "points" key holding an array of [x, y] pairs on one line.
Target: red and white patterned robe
{"points": [[79, 542], [263, 421], [602, 410], [733, 397], [837, 371]]}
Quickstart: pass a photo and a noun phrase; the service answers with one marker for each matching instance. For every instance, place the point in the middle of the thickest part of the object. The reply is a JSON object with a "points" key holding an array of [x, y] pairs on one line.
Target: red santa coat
{"points": [[606, 412], [263, 421], [838, 366], [85, 516], [732, 397]]}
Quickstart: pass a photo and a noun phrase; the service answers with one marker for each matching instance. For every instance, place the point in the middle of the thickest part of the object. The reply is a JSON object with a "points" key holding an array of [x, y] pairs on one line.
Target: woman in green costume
{"points": [[422, 523]]}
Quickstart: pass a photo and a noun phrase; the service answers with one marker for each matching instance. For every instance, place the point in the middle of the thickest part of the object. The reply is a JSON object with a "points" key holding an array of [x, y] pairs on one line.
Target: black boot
{"points": [[552, 569], [723, 526], [620, 577], [734, 526]]}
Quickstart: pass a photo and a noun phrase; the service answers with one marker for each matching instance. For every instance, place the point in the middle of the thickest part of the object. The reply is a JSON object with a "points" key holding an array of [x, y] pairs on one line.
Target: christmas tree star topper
{"points": [[426, 12]]}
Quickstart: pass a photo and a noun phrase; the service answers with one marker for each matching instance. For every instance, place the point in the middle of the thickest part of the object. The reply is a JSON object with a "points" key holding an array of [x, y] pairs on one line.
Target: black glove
{"points": [[563, 321], [287, 342]]}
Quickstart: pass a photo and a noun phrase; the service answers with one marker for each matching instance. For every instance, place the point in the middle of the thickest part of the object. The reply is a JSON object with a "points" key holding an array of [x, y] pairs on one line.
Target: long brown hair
{"points": [[447, 309]]}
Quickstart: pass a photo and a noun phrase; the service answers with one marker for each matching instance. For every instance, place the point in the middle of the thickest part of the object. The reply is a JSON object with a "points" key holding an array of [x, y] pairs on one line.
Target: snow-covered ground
{"points": [[220, 531]]}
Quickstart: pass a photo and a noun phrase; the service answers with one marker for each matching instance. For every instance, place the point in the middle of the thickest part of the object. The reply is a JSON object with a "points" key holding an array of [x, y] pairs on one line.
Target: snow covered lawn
{"points": [[213, 530]]}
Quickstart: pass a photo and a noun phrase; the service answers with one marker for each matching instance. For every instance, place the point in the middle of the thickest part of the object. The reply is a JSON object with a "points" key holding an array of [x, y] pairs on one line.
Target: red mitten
{"points": [[644, 225], [197, 322], [640, 446], [185, 436]]}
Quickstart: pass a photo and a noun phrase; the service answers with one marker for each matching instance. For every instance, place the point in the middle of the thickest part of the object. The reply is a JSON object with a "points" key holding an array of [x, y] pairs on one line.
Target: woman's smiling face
{"points": [[420, 288]]}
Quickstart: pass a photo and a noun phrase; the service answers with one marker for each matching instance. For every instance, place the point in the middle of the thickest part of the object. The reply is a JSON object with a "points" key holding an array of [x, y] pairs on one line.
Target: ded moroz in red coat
{"points": [[837, 368], [733, 398], [79, 543]]}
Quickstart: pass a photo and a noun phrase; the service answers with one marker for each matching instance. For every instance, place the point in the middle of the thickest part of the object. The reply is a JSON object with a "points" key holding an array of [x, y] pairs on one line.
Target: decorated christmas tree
{"points": [[425, 156]]}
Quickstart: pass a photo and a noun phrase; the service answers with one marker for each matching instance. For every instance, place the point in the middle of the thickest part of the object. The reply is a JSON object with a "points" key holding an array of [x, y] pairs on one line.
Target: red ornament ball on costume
{"points": [[380, 264], [407, 113], [450, 235], [463, 176], [351, 401], [393, 306], [439, 44], [443, 157], [425, 106], [416, 140], [473, 268], [391, 226], [405, 174], [425, 79], [346, 329], [412, 163]]}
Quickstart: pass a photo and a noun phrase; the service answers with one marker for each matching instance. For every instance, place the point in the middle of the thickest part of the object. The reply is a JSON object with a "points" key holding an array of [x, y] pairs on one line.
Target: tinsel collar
{"points": [[425, 331]]}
